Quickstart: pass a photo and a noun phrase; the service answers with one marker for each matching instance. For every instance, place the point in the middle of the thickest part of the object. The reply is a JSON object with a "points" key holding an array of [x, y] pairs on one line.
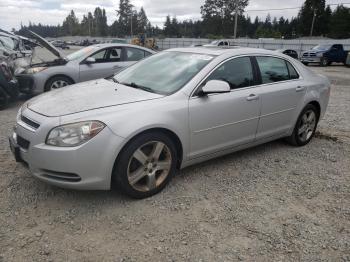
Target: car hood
{"points": [[87, 96], [47, 45]]}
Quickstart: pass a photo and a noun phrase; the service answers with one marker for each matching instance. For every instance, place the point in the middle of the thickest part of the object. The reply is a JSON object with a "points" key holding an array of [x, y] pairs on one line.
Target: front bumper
{"points": [[86, 167], [31, 83], [310, 59]]}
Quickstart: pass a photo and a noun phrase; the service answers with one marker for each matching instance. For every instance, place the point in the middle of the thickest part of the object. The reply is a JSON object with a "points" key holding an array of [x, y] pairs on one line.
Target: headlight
{"points": [[319, 54], [74, 134], [34, 70], [19, 113]]}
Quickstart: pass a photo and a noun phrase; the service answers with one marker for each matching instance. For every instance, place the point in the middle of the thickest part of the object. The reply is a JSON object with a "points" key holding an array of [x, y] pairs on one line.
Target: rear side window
{"points": [[134, 54], [237, 73], [292, 72], [272, 69]]}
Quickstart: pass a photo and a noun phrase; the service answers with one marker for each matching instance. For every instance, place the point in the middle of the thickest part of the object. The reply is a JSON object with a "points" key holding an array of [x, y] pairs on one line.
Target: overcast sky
{"points": [[53, 12]]}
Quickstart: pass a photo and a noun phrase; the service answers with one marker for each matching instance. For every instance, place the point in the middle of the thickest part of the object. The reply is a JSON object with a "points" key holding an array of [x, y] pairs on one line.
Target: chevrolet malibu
{"points": [[171, 110]]}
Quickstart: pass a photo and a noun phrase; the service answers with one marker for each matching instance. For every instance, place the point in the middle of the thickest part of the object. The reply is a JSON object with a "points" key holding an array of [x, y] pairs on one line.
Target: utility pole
{"points": [[313, 22], [131, 33], [236, 20]]}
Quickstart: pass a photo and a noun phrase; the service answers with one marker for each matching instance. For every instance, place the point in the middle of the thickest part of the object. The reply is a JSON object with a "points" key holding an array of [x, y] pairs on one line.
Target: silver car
{"points": [[171, 110], [92, 62]]}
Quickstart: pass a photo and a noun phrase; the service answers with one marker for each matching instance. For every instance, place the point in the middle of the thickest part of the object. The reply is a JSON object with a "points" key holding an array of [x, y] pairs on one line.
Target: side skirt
{"points": [[230, 150]]}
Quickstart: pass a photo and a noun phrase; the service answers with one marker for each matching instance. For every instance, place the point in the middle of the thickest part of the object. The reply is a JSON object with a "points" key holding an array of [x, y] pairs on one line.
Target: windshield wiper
{"points": [[134, 85]]}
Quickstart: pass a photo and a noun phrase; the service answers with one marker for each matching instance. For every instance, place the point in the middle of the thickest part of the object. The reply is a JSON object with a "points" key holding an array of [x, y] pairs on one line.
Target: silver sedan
{"points": [[171, 110], [92, 62]]}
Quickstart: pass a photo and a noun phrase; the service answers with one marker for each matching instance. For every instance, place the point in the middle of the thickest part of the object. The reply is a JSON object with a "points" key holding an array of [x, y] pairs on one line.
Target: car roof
{"points": [[218, 51], [106, 45]]}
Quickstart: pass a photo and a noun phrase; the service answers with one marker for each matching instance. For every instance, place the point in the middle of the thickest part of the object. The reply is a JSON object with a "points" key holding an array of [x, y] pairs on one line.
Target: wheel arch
{"points": [[57, 75], [318, 107], [172, 135]]}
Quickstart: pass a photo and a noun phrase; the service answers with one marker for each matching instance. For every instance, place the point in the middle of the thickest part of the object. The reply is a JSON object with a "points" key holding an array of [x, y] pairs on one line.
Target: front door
{"points": [[107, 62], [221, 121]]}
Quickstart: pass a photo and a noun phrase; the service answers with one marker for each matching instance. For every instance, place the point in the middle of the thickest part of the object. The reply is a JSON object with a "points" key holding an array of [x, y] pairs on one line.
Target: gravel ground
{"points": [[270, 203]]}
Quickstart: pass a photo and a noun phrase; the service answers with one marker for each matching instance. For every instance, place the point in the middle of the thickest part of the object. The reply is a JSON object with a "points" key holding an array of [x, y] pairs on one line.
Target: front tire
{"points": [[305, 127], [57, 82], [324, 62], [145, 165]]}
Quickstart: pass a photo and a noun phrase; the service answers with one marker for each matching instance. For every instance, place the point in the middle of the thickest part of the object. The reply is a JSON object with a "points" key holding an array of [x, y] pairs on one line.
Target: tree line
{"points": [[218, 20]]}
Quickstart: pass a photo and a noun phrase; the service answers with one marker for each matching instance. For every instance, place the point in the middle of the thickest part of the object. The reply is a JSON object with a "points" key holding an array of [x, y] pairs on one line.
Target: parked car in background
{"points": [[60, 44], [171, 110], [16, 44], [347, 63], [119, 41], [325, 55], [8, 84], [289, 52], [70, 42], [92, 62], [221, 43]]}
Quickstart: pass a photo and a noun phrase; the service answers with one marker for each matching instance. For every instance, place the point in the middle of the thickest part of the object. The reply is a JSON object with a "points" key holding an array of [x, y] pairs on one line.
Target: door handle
{"points": [[116, 67], [252, 97], [300, 89]]}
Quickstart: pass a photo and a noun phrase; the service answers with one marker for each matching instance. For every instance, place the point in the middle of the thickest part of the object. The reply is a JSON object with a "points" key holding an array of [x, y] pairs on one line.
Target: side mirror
{"points": [[216, 86], [90, 60]]}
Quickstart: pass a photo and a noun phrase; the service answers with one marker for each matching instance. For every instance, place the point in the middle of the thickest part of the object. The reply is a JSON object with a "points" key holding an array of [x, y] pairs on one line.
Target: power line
{"points": [[286, 8]]}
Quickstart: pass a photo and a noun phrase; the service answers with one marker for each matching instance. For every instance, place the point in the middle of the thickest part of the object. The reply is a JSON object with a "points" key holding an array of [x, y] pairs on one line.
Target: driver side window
{"points": [[238, 73], [100, 56]]}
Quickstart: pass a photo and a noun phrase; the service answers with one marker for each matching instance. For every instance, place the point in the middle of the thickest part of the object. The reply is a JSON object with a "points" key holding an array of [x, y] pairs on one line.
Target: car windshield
{"points": [[8, 42], [321, 47], [214, 42], [81, 53], [163, 73]]}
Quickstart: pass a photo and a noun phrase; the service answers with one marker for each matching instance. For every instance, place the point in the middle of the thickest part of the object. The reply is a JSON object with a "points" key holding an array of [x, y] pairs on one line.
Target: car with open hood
{"points": [[89, 63]]}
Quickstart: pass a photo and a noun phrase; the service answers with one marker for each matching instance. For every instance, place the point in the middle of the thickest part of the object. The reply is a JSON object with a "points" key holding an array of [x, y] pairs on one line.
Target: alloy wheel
{"points": [[149, 166], [307, 125], [58, 84]]}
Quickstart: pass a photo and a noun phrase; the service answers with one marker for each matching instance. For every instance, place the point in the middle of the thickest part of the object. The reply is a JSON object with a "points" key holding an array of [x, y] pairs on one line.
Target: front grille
{"points": [[26, 84], [29, 122], [23, 143], [309, 54], [59, 176]]}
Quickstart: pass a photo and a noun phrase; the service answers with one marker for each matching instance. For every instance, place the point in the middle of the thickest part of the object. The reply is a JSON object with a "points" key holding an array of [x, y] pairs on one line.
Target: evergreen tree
{"points": [[125, 16], [142, 21], [70, 25], [310, 9], [340, 22]]}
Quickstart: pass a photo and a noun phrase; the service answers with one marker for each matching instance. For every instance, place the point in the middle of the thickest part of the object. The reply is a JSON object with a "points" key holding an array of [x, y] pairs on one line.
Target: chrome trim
{"points": [[224, 125]]}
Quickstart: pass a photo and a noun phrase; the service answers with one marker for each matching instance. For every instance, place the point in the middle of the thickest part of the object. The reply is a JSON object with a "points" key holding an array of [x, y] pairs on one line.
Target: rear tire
{"points": [[145, 165], [305, 126], [57, 82]]}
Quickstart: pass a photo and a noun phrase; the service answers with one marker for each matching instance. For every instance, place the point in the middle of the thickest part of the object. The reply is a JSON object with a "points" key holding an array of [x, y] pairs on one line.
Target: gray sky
{"points": [[52, 12]]}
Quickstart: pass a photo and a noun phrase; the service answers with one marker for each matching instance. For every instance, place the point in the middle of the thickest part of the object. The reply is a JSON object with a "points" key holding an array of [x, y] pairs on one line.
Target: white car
{"points": [[171, 110]]}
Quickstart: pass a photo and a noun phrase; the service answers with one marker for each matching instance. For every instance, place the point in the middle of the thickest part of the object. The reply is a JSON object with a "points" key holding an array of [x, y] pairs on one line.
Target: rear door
{"points": [[281, 94]]}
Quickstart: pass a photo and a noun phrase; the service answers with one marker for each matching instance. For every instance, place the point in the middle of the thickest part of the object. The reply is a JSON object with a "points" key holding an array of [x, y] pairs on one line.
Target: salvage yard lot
{"points": [[270, 203]]}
